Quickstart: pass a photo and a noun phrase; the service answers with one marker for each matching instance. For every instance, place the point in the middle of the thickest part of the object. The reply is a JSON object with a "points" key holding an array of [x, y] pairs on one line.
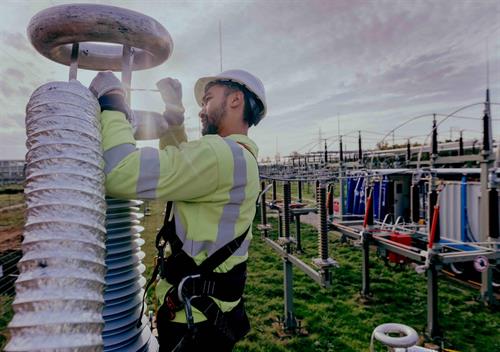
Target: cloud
{"points": [[15, 40], [13, 73], [375, 63]]}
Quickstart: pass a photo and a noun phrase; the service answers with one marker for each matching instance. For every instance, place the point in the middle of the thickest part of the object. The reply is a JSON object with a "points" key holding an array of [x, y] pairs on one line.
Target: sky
{"points": [[358, 64]]}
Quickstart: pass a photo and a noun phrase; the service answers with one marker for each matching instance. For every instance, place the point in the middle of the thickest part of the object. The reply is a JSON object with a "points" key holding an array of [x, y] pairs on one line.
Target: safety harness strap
{"points": [[224, 286], [227, 286], [233, 325], [160, 246]]}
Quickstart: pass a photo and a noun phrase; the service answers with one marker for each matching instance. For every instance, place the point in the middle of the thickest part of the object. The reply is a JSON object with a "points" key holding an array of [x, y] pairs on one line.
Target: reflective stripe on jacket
{"points": [[213, 181]]}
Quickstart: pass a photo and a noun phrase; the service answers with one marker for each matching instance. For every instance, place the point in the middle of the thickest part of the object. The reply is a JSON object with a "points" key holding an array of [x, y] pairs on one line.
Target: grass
{"points": [[6, 314], [335, 318], [12, 219], [9, 199]]}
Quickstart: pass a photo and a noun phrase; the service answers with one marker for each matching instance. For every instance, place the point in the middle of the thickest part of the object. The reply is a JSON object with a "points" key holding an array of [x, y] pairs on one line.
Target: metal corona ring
{"points": [[53, 31]]}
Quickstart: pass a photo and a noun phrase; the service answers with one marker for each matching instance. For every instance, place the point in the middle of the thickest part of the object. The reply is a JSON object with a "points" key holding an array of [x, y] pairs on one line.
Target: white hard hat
{"points": [[246, 79]]}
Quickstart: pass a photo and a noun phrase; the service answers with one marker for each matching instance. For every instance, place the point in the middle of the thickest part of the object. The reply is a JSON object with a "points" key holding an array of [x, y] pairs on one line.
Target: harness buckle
{"points": [[180, 294], [187, 301]]}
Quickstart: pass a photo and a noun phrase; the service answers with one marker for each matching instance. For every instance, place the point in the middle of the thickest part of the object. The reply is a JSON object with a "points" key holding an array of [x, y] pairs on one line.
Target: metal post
{"points": [[432, 183], [415, 203], [341, 152], [365, 239], [360, 150], [326, 153], [434, 140], [408, 152], [290, 322], [73, 67], [484, 218], [287, 199], [274, 191], [299, 187], [365, 287], [432, 302], [461, 145], [280, 223], [297, 235], [127, 60], [263, 210], [341, 180], [493, 209]]}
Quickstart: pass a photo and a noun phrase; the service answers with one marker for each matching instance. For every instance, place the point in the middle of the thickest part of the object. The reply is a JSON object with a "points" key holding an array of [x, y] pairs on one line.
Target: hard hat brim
{"points": [[199, 88]]}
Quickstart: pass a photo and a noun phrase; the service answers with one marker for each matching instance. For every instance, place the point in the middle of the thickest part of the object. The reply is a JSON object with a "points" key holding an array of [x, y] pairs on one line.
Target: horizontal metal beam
{"points": [[458, 159], [313, 274]]}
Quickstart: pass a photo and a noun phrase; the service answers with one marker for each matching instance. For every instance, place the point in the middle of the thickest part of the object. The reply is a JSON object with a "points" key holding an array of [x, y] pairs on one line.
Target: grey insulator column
{"points": [[59, 292], [124, 280]]}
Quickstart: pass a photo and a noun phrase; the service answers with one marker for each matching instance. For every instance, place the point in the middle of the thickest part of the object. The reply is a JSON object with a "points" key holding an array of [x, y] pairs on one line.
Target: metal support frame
{"points": [[415, 202], [433, 329], [298, 247], [360, 149], [263, 210], [274, 190], [280, 223], [127, 61], [365, 287], [289, 321], [73, 67], [299, 190], [486, 291]]}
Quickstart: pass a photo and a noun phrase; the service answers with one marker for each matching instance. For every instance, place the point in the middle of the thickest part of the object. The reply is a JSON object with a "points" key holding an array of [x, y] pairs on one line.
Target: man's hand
{"points": [[171, 93], [105, 83]]}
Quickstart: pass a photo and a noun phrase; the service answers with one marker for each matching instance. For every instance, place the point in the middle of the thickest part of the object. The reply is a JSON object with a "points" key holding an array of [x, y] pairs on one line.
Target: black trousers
{"points": [[207, 338]]}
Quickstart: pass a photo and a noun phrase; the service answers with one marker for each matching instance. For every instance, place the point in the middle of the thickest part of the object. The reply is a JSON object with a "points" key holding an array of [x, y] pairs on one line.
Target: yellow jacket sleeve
{"points": [[186, 172], [174, 136]]}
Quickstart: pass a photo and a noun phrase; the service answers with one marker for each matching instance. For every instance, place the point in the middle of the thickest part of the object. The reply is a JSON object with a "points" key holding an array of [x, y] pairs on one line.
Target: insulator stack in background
{"points": [[124, 280], [59, 292], [323, 221]]}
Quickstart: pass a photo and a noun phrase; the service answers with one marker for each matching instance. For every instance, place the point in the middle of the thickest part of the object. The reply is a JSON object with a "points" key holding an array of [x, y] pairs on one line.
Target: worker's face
{"points": [[213, 109]]}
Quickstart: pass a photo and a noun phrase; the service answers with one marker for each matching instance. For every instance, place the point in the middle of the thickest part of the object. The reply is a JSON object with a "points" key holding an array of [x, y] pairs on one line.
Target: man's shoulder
{"points": [[215, 141]]}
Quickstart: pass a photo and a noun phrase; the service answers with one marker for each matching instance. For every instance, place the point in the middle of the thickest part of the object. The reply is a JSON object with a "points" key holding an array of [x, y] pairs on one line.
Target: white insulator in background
{"points": [[59, 292]]}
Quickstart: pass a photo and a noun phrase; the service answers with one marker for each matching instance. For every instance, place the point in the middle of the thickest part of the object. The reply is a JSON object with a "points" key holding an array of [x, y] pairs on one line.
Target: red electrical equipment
{"points": [[402, 238]]}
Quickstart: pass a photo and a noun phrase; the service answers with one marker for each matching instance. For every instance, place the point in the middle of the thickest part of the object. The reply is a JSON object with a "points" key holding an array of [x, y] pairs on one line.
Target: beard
{"points": [[211, 121]]}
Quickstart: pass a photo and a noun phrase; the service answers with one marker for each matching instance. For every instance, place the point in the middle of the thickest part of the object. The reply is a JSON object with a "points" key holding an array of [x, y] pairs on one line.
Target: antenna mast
{"points": [[220, 44]]}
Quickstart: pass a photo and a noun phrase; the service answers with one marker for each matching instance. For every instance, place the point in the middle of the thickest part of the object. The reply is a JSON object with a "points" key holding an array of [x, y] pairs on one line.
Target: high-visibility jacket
{"points": [[213, 181]]}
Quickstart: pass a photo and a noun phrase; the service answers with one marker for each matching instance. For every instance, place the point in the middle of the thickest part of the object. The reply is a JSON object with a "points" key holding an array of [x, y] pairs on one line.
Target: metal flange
{"points": [[325, 263]]}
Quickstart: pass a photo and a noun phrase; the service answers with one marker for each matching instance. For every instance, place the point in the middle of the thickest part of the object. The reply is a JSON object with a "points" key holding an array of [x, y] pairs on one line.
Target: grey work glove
{"points": [[171, 93], [106, 82]]}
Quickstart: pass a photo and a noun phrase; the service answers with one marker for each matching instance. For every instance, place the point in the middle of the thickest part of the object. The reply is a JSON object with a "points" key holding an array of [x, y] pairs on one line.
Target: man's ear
{"points": [[236, 99]]}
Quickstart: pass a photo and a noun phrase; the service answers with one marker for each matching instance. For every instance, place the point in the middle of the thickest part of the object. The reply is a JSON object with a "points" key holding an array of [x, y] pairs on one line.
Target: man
{"points": [[211, 184]]}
